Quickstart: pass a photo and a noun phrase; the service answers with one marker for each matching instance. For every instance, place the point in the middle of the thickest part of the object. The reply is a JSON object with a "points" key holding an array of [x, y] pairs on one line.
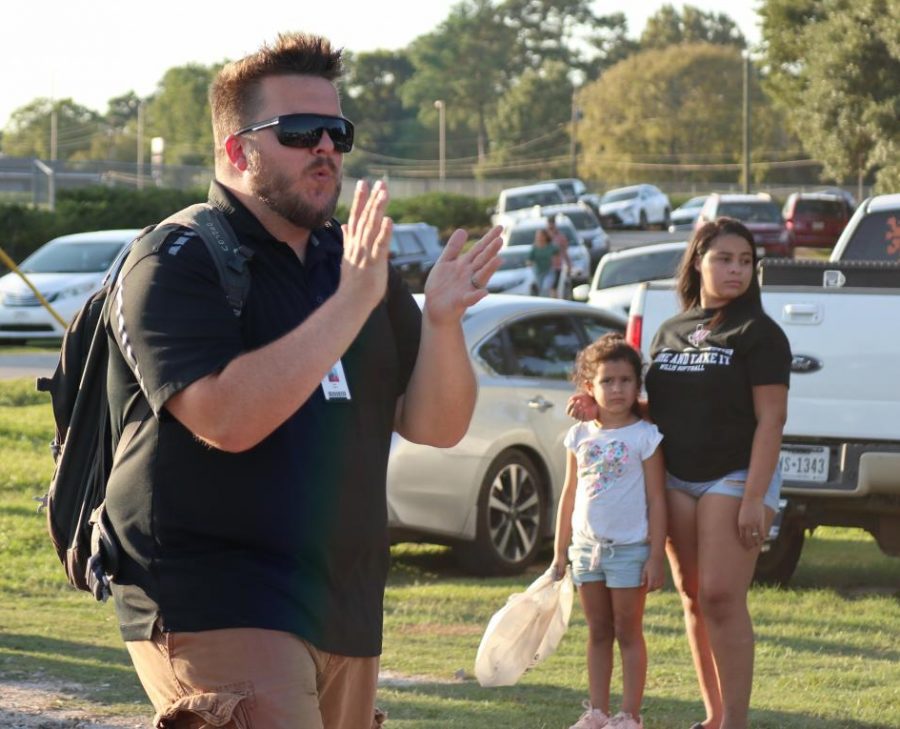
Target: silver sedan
{"points": [[493, 496]]}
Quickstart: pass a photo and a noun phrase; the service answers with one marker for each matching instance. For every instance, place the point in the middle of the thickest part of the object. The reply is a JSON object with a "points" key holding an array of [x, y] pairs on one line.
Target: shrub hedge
{"points": [[24, 228]]}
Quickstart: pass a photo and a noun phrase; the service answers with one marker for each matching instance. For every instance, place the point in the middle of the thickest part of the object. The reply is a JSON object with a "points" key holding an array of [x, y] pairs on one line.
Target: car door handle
{"points": [[539, 403]]}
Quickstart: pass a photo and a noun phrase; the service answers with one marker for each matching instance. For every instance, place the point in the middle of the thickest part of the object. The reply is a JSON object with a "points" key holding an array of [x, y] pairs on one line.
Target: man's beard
{"points": [[274, 190]]}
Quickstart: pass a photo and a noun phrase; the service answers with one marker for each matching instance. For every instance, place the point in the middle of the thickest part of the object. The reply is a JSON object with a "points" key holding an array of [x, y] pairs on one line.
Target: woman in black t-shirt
{"points": [[717, 389]]}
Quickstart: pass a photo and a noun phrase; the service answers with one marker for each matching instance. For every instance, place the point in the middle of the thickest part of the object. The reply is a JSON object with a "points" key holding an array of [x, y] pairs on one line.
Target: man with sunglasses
{"points": [[250, 509]]}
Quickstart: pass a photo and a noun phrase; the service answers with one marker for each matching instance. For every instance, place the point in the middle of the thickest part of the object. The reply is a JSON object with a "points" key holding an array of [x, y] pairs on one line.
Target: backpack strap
{"points": [[230, 257]]}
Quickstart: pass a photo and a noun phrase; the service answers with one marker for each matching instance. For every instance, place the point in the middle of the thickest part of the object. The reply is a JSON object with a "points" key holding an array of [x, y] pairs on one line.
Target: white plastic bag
{"points": [[524, 631]]}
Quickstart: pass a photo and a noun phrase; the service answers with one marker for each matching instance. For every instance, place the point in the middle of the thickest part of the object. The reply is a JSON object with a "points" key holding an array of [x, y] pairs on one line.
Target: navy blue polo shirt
{"points": [[292, 534]]}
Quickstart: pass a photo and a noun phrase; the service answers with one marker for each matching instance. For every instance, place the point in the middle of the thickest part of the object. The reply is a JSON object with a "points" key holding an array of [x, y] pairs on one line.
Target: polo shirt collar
{"points": [[322, 244]]}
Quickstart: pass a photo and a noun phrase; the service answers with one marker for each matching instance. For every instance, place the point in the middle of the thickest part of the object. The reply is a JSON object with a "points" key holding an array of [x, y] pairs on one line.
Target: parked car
{"points": [[759, 213], [493, 496], [637, 206], [415, 248], [571, 187], [587, 226], [515, 275], [517, 201], [684, 216], [873, 233], [815, 219], [66, 270], [621, 272], [521, 233]]}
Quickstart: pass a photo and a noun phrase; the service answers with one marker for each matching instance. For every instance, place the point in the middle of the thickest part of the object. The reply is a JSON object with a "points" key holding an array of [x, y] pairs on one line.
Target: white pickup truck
{"points": [[841, 451]]}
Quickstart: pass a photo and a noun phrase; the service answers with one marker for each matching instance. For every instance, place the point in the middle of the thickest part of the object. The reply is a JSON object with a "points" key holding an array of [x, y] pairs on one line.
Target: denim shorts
{"points": [[618, 565], [731, 485]]}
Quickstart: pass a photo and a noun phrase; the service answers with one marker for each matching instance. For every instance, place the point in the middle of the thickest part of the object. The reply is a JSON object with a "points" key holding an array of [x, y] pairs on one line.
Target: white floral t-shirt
{"points": [[610, 499]]}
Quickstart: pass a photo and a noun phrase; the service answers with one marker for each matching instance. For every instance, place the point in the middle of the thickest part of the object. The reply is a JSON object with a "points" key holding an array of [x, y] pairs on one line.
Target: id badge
{"points": [[334, 384]]}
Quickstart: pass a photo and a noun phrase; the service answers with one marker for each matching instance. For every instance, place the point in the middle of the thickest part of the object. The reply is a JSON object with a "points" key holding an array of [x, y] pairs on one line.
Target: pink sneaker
{"points": [[625, 721], [591, 718]]}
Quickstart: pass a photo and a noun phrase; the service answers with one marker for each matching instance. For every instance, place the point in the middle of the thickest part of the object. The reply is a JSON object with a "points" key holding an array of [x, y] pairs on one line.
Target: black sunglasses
{"points": [[305, 130]]}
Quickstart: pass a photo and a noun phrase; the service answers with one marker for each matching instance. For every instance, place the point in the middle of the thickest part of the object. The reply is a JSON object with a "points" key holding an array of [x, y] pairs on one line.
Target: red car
{"points": [[761, 216], [815, 219]]}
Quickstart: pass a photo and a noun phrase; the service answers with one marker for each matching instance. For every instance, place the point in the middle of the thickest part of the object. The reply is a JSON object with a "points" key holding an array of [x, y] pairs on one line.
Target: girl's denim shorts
{"points": [[619, 565], [731, 484]]}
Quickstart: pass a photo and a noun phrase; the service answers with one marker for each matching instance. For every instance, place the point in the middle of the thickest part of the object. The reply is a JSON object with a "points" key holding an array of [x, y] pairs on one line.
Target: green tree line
{"points": [[542, 88]]}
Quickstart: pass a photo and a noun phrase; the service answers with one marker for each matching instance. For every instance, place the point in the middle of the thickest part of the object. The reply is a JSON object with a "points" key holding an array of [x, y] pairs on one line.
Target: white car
{"points": [[587, 226], [637, 206], [66, 271], [621, 272], [521, 233], [515, 202], [494, 495], [684, 216], [515, 275]]}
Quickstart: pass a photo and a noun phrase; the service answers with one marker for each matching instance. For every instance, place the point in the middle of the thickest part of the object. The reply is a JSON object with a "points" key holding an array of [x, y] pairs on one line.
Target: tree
{"points": [[660, 110], [117, 138], [836, 72], [179, 113], [668, 27], [530, 130], [466, 63], [372, 98], [28, 132]]}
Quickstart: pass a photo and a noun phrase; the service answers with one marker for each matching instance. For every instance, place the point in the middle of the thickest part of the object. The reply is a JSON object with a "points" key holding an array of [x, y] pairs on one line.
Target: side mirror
{"points": [[580, 292]]}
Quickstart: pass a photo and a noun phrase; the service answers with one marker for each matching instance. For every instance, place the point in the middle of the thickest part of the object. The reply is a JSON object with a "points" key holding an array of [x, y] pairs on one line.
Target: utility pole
{"points": [[140, 145], [573, 131], [54, 132], [746, 56], [442, 139]]}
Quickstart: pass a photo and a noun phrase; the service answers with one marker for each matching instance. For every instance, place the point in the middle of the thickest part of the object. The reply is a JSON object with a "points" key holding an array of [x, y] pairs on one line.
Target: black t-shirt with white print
{"points": [[700, 386]]}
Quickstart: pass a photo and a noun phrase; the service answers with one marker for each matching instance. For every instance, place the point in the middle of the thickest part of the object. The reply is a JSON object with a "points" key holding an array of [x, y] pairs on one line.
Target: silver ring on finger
{"points": [[474, 282]]}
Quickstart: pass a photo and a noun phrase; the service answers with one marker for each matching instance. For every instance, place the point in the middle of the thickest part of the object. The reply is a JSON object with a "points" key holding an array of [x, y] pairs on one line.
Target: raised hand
{"points": [[458, 279], [367, 237]]}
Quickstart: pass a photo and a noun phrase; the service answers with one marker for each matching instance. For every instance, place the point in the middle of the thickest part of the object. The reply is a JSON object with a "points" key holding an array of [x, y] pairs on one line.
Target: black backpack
{"points": [[82, 448]]}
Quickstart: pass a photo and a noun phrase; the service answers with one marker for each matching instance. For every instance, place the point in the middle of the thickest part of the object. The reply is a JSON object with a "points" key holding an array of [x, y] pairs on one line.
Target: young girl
{"points": [[612, 511]]}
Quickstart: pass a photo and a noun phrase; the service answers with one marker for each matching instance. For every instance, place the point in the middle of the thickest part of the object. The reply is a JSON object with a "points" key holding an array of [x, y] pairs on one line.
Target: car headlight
{"points": [[78, 290]]}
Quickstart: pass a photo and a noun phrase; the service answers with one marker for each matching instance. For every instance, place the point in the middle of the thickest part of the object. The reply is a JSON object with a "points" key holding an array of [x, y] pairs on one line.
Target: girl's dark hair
{"points": [[610, 347], [688, 277]]}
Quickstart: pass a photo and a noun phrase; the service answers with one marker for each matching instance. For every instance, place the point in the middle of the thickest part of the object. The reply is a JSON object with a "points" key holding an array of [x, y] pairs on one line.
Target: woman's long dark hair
{"points": [[688, 277]]}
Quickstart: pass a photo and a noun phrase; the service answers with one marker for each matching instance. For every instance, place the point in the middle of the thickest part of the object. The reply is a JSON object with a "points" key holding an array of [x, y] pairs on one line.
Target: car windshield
{"points": [[694, 202], [510, 259], [820, 208], [72, 258], [617, 195], [876, 238], [751, 212], [527, 200], [649, 267], [583, 220]]}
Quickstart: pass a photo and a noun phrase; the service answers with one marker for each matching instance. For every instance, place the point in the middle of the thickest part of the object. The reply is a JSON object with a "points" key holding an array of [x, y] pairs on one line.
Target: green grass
{"points": [[828, 655]]}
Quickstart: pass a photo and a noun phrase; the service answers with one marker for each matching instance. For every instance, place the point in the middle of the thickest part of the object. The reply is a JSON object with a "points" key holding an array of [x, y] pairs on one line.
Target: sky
{"points": [[93, 50]]}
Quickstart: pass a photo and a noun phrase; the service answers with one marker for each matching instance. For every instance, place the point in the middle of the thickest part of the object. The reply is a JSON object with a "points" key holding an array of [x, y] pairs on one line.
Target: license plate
{"points": [[804, 463], [818, 225]]}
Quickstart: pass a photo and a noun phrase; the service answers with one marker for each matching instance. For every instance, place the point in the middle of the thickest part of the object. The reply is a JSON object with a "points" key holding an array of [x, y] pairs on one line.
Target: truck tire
{"points": [[776, 565]]}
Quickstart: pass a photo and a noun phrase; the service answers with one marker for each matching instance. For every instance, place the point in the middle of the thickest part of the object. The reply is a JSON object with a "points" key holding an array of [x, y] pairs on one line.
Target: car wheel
{"points": [[643, 220], [511, 515], [667, 219], [776, 565]]}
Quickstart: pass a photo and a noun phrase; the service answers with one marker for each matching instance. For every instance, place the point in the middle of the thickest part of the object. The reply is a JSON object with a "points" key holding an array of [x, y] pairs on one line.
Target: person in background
{"points": [[611, 524], [562, 264], [541, 258]]}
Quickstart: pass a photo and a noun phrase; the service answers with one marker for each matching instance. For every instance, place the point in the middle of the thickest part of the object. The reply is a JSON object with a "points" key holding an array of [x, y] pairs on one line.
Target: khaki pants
{"points": [[250, 678]]}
